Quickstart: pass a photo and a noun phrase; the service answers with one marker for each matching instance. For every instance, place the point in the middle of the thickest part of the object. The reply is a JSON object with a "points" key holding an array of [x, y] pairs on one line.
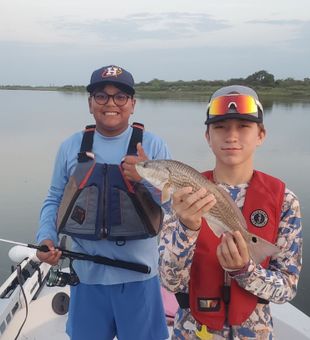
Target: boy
{"points": [[108, 301], [222, 293]]}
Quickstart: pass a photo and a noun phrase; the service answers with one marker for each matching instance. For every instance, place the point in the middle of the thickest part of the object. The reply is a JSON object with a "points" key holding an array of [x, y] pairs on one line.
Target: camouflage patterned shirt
{"points": [[277, 283]]}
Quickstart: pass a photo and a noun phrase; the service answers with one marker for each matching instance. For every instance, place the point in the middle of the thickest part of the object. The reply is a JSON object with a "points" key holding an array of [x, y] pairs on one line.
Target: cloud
{"points": [[301, 40], [300, 32], [171, 46], [278, 22], [142, 26]]}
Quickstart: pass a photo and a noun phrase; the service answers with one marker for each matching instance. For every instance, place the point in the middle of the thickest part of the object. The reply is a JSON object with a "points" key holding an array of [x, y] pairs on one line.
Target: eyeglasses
{"points": [[243, 104], [119, 99]]}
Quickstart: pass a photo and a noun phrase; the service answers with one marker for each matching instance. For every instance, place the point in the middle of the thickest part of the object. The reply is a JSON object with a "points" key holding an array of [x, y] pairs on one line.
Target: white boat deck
{"points": [[44, 324]]}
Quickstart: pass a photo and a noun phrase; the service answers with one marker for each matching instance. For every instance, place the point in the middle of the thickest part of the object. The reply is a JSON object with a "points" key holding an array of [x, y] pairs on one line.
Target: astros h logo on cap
{"points": [[112, 71]]}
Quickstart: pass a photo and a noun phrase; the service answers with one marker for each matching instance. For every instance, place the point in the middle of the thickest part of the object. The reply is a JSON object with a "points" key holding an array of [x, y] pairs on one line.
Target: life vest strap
{"points": [[183, 300], [136, 138], [87, 143], [88, 139]]}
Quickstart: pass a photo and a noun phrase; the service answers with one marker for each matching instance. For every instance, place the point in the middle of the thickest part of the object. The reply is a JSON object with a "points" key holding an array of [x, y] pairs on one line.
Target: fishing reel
{"points": [[59, 278]]}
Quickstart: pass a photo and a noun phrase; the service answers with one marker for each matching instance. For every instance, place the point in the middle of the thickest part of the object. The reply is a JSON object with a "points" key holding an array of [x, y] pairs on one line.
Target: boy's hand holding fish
{"points": [[232, 252], [190, 206]]}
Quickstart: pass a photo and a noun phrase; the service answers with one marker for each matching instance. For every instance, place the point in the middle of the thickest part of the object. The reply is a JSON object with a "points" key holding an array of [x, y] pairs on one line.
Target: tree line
{"points": [[258, 79], [262, 81]]}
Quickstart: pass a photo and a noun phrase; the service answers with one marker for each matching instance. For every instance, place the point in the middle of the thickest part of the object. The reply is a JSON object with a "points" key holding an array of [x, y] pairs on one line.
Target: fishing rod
{"points": [[137, 267]]}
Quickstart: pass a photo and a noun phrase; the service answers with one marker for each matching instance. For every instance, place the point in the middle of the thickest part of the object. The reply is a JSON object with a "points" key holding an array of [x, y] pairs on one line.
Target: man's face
{"points": [[111, 119]]}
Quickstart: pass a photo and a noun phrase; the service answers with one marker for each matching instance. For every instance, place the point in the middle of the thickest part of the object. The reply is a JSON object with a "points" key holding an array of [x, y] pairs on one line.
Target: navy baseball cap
{"points": [[234, 102], [114, 75]]}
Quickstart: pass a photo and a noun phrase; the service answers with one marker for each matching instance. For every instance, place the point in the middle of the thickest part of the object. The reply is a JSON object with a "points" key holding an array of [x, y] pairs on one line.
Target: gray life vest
{"points": [[99, 202]]}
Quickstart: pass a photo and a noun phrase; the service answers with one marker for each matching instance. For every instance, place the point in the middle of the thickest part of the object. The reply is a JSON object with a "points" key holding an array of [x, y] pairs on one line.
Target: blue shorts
{"points": [[129, 311]]}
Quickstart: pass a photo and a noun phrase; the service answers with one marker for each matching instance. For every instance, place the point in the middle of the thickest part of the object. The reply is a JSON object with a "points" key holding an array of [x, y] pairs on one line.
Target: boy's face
{"points": [[111, 119], [234, 141]]}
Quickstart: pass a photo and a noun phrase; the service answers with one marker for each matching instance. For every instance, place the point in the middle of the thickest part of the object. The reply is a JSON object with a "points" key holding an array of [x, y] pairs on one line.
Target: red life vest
{"points": [[262, 210]]}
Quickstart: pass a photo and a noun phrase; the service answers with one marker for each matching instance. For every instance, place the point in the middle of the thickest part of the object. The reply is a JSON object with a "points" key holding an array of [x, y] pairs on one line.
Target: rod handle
{"points": [[42, 247]]}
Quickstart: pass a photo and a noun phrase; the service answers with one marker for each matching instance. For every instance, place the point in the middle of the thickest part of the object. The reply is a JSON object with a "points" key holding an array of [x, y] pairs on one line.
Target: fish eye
{"points": [[254, 239]]}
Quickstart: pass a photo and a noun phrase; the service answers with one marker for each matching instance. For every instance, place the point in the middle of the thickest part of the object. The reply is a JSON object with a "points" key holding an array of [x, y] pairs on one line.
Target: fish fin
{"points": [[166, 193], [259, 248], [216, 225]]}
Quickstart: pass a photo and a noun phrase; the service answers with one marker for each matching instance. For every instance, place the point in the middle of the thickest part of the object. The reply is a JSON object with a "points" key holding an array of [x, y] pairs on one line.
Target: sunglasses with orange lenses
{"points": [[243, 104]]}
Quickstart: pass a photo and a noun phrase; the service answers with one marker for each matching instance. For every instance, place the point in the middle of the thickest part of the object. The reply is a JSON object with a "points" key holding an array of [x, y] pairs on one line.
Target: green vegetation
{"points": [[262, 81]]}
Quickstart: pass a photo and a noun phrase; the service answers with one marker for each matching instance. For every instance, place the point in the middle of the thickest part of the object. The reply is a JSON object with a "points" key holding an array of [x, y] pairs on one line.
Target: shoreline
{"points": [[288, 94]]}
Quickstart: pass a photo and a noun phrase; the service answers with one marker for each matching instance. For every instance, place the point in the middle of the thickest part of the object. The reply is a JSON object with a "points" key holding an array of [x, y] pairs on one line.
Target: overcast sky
{"points": [[50, 42]]}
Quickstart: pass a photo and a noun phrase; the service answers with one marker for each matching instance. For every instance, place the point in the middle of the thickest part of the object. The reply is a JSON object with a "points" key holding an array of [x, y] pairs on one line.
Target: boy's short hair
{"points": [[234, 102]]}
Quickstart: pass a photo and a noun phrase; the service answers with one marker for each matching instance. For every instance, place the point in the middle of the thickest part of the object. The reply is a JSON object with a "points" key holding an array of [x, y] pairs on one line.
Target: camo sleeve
{"points": [[176, 250], [278, 283]]}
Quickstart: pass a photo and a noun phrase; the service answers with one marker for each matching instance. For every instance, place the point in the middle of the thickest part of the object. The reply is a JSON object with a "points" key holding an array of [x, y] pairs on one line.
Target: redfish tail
{"points": [[259, 249]]}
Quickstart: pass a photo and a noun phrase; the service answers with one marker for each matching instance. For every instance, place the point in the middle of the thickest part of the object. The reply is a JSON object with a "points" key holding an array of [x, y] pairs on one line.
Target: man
{"points": [[103, 217]]}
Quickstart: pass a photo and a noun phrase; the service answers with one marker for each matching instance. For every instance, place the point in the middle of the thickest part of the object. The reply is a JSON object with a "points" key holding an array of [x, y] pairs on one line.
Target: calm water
{"points": [[34, 123]]}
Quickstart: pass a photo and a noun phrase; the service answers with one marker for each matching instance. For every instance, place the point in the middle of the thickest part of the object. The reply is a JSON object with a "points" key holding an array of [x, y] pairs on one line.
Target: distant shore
{"points": [[199, 89]]}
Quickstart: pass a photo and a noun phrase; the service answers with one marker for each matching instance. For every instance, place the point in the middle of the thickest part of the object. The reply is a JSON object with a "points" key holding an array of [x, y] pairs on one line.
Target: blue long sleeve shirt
{"points": [[107, 150]]}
